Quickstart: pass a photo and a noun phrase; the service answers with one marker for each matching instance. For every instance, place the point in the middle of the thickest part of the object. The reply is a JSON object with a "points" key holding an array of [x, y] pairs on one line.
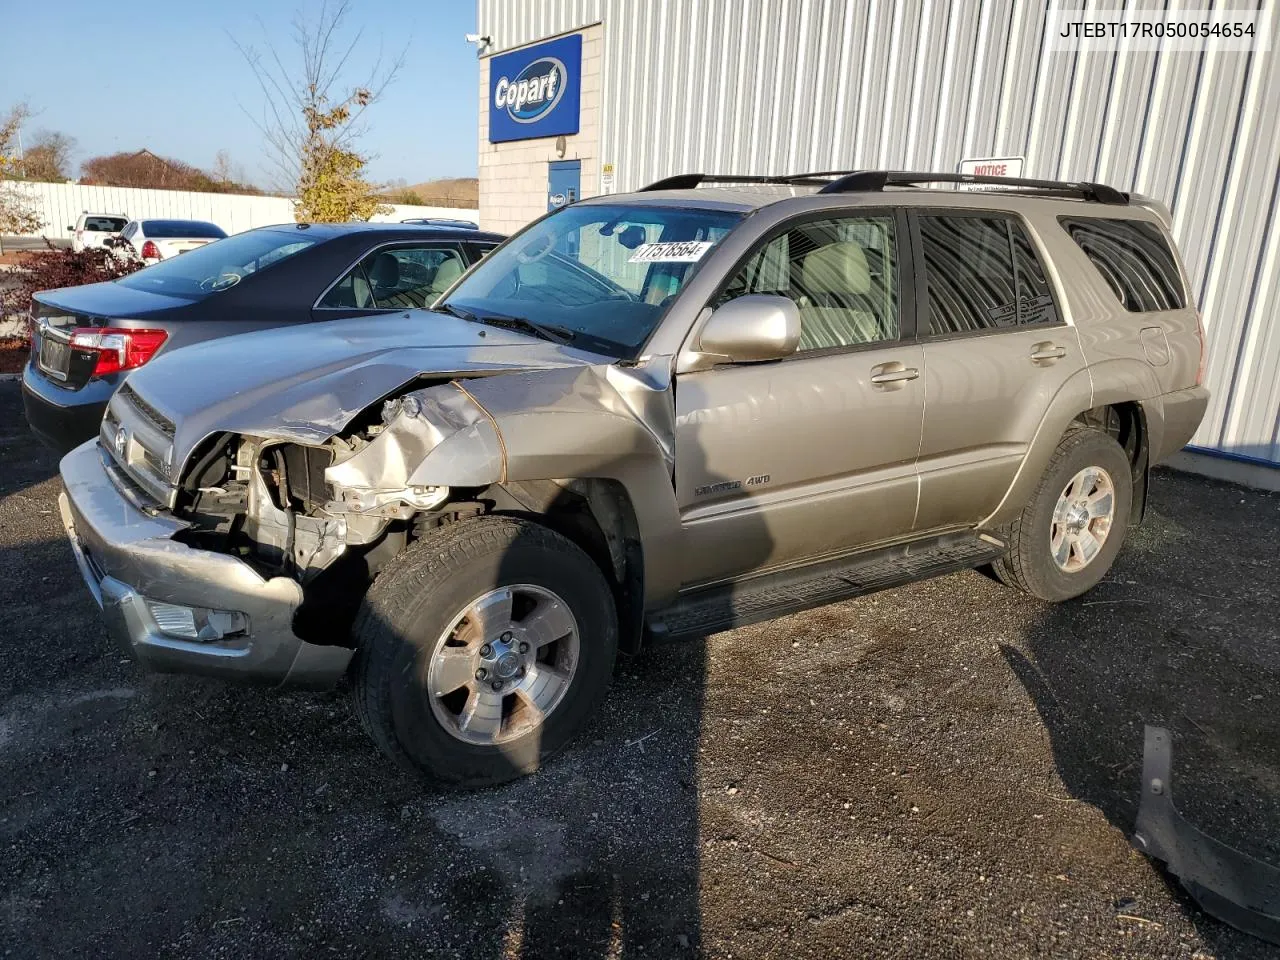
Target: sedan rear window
{"points": [[217, 266], [104, 224], [166, 229]]}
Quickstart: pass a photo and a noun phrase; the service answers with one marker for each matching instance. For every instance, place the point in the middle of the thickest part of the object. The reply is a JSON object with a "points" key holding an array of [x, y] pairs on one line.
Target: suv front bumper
{"points": [[128, 558]]}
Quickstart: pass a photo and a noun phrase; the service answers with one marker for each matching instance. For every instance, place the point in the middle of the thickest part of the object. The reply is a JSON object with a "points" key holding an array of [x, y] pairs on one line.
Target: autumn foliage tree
{"points": [[332, 187], [312, 120], [17, 210]]}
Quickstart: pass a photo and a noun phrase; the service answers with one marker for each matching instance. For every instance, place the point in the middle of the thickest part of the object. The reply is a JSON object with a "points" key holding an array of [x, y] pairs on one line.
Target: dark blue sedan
{"points": [[86, 339]]}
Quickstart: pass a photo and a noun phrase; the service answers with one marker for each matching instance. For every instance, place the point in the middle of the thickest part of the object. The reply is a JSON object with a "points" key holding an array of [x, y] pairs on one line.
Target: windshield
{"points": [[604, 274], [179, 229], [217, 266]]}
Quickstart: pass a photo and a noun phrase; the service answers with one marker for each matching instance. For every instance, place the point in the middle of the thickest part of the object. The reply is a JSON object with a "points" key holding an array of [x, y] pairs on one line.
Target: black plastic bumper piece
{"points": [[1237, 889]]}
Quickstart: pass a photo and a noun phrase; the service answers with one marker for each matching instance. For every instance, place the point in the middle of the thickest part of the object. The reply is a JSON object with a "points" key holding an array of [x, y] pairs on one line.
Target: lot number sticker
{"points": [[681, 251]]}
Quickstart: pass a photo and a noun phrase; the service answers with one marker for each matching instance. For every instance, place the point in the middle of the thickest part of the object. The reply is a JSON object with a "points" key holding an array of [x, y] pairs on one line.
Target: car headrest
{"points": [[385, 271], [839, 267], [448, 271]]}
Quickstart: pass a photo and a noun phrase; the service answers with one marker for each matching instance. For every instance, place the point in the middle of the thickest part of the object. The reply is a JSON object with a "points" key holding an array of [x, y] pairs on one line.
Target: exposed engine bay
{"points": [[333, 512]]}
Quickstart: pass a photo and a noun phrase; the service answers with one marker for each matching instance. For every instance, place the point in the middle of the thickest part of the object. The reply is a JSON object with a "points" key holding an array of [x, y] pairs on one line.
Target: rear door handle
{"points": [[1046, 353], [892, 375]]}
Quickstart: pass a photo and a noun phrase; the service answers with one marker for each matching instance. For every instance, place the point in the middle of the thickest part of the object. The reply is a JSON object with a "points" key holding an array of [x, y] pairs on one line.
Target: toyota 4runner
{"points": [[713, 401]]}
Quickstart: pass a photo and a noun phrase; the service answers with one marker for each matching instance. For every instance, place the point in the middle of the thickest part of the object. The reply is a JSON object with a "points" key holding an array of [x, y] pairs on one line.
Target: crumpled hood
{"points": [[308, 381]]}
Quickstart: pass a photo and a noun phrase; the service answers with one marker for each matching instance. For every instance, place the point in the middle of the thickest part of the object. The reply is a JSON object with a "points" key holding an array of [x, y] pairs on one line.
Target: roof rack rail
{"points": [[687, 181], [871, 180], [854, 181]]}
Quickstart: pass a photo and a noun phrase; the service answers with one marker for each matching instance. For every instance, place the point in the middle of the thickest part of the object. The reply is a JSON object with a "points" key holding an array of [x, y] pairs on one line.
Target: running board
{"points": [[764, 597]]}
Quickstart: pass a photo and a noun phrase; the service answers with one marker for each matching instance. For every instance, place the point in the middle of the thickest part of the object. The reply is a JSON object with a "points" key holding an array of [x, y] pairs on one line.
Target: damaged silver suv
{"points": [[710, 402]]}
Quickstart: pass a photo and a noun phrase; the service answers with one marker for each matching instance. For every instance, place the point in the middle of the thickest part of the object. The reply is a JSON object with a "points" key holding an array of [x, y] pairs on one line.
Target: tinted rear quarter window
{"points": [[104, 224], [1134, 258]]}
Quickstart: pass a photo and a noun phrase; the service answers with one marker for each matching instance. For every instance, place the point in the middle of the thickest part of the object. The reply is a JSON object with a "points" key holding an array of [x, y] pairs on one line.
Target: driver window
{"points": [[841, 274], [397, 278]]}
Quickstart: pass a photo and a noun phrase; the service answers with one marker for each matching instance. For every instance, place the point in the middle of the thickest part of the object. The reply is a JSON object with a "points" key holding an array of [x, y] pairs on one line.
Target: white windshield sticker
{"points": [[679, 251]]}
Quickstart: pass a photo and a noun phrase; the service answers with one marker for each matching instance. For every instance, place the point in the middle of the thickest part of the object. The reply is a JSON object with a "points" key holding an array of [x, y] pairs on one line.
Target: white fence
{"points": [[58, 205]]}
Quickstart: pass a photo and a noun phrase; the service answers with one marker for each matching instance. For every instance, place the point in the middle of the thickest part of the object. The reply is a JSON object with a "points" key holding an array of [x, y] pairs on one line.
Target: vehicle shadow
{"points": [[26, 460], [1205, 664]]}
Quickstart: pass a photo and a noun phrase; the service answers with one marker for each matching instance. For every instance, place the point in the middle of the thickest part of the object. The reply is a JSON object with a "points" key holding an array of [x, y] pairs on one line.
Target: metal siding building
{"points": [[777, 86]]}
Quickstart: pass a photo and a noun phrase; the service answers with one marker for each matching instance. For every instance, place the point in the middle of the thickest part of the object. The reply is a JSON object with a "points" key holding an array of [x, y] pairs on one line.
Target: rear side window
{"points": [[1134, 258], [1035, 300], [397, 278], [982, 273]]}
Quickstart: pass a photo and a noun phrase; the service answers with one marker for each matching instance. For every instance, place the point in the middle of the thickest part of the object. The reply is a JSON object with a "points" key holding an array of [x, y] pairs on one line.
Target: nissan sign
{"points": [[536, 91]]}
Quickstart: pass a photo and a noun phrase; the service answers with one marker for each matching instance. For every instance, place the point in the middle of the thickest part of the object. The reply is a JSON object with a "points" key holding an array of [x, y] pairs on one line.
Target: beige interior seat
{"points": [[448, 271], [835, 287]]}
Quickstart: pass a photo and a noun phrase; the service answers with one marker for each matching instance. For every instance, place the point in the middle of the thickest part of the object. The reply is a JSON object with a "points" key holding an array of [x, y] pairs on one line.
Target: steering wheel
{"points": [[220, 282]]}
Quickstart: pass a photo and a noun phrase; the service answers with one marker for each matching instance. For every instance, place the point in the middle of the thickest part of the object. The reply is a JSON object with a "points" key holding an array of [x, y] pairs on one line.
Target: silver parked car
{"points": [[154, 240], [713, 401]]}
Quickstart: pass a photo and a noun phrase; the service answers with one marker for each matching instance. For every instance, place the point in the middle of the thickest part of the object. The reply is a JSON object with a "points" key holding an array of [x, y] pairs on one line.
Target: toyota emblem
{"points": [[120, 441]]}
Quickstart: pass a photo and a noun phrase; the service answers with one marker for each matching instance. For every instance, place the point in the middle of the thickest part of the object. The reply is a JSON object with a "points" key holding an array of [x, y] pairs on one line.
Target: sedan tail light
{"points": [[117, 349], [150, 251]]}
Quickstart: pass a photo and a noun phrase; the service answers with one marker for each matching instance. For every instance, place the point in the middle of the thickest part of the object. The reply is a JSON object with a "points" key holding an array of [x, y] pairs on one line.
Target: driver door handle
{"points": [[1045, 353], [892, 375]]}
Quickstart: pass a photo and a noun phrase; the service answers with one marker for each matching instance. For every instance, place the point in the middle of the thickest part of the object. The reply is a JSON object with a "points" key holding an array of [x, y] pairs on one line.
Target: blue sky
{"points": [[120, 76]]}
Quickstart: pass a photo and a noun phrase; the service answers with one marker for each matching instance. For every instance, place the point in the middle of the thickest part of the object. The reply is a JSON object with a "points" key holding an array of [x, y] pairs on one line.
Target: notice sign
{"points": [[989, 167]]}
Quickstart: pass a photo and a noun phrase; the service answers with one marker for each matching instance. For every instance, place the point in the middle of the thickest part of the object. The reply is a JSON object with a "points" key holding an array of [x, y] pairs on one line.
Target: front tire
{"points": [[1069, 533], [483, 650]]}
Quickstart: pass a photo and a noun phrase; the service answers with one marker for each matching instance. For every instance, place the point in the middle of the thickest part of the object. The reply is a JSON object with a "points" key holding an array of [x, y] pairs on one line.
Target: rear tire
{"points": [[483, 650], [1069, 533]]}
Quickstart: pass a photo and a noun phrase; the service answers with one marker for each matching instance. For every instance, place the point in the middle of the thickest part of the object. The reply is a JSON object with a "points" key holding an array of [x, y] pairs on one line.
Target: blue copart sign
{"points": [[536, 91]]}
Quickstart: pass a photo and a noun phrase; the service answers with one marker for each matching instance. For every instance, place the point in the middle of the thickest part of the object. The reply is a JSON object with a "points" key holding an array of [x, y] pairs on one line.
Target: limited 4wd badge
{"points": [[728, 486]]}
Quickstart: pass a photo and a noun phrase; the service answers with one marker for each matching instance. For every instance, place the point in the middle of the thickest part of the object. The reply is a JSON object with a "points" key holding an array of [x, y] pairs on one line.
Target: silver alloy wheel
{"points": [[504, 664], [1082, 519]]}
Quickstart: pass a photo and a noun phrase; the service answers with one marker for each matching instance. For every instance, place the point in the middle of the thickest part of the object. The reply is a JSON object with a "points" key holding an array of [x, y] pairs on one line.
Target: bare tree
{"points": [[222, 167], [312, 118], [49, 156]]}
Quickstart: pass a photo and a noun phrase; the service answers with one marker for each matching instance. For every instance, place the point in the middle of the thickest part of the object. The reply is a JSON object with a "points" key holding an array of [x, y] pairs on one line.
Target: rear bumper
{"points": [[63, 419], [127, 558], [1183, 411]]}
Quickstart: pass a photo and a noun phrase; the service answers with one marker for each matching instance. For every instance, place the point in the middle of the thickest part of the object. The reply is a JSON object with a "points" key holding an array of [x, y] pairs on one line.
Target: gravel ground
{"points": [[944, 770]]}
